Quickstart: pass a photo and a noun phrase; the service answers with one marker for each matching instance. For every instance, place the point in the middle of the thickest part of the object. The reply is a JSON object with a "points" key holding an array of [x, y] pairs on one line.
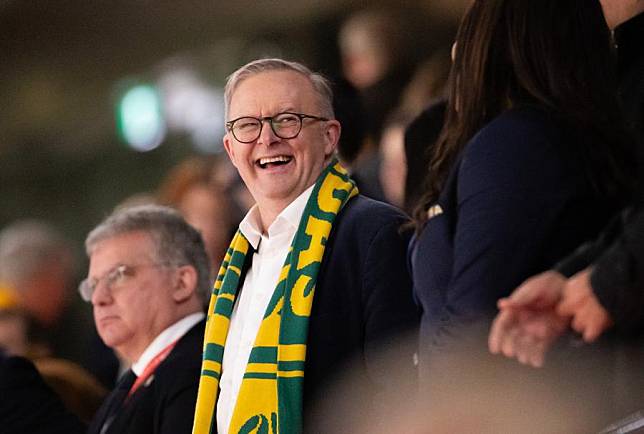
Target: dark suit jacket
{"points": [[362, 304], [167, 404], [28, 405], [514, 204]]}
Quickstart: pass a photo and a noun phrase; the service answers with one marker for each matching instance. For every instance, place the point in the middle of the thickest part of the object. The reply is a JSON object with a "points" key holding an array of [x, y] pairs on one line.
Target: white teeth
{"points": [[279, 158]]}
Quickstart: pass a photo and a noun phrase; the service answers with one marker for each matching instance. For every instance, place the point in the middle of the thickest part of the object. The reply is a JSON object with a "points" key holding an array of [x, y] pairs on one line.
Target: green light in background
{"points": [[140, 120]]}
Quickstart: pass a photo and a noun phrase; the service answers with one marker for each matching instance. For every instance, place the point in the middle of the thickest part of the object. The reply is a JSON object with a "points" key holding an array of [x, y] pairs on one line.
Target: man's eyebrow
{"points": [[288, 108]]}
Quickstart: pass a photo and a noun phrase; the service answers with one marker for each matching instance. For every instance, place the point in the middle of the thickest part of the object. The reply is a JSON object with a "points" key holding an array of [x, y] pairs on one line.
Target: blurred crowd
{"points": [[519, 158]]}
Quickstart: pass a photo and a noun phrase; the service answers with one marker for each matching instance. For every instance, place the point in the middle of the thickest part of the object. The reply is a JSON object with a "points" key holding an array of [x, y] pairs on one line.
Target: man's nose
{"points": [[101, 295], [267, 136]]}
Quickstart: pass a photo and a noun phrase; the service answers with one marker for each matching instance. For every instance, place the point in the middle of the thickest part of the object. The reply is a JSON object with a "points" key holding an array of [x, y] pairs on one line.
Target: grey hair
{"points": [[26, 246], [176, 242], [321, 85]]}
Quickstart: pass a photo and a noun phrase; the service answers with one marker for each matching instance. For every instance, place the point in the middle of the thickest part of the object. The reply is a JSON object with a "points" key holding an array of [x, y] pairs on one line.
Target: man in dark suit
{"points": [[148, 279], [282, 137]]}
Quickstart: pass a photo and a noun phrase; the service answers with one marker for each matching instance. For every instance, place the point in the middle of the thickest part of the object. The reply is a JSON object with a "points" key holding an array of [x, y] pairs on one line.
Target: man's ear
{"points": [[332, 137], [186, 283], [228, 146]]}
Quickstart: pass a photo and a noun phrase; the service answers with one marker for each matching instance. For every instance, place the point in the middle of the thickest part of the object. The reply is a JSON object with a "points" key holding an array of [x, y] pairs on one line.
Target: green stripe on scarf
{"points": [[270, 397]]}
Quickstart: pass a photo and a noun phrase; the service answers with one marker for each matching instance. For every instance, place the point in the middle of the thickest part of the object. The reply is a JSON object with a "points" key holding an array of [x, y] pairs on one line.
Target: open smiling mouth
{"points": [[279, 160]]}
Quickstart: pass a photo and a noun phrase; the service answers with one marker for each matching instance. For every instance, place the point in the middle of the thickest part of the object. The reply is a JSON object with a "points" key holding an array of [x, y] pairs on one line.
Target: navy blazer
{"points": [[167, 404], [513, 205], [362, 306]]}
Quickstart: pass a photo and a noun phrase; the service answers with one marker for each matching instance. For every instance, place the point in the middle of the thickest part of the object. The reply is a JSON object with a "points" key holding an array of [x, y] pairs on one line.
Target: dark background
{"points": [[62, 62]]}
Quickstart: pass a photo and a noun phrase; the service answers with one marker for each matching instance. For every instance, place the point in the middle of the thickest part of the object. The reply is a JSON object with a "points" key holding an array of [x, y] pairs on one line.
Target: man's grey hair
{"points": [[321, 85], [26, 246], [176, 243]]}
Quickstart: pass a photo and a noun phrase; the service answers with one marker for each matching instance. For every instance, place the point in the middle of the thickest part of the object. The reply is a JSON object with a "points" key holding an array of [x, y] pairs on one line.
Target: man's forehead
{"points": [[125, 248], [280, 88]]}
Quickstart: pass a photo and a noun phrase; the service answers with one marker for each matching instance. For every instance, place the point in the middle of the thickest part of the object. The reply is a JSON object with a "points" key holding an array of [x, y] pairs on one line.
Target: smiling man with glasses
{"points": [[314, 278], [148, 280]]}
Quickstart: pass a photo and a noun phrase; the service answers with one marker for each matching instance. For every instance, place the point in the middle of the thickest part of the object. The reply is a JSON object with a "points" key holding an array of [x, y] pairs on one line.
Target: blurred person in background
{"points": [[189, 187], [403, 160], [36, 273], [37, 317], [426, 99], [148, 278], [428, 83], [226, 176], [14, 331], [532, 161], [393, 164], [376, 59]]}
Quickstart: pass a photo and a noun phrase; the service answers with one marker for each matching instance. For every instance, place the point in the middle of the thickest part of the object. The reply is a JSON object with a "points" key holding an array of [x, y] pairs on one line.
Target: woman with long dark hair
{"points": [[531, 162]]}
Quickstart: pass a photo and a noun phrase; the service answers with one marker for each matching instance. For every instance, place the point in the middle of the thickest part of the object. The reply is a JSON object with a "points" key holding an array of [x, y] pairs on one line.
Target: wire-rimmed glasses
{"points": [[112, 279]]}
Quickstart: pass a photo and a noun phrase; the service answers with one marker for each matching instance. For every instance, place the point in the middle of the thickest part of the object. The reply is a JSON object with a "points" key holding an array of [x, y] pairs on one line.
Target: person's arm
{"points": [[589, 252], [390, 315], [617, 278], [536, 314]]}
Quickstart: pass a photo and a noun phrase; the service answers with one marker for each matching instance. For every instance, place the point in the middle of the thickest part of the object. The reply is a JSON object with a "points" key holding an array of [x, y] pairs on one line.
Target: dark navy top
{"points": [[514, 203]]}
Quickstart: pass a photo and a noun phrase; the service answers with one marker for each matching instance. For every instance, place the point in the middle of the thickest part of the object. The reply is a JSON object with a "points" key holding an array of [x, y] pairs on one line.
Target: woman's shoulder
{"points": [[519, 146], [524, 121], [517, 134]]}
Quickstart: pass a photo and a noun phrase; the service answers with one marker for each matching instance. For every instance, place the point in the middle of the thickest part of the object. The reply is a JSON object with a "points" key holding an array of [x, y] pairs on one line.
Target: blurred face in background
{"points": [[393, 167], [208, 212]]}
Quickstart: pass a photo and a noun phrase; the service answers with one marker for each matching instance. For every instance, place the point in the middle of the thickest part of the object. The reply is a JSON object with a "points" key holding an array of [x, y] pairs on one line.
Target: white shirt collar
{"points": [[165, 338], [289, 218]]}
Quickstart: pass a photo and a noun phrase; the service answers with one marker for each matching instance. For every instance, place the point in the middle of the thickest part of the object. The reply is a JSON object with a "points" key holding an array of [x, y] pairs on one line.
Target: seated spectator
{"points": [[14, 328], [393, 164], [148, 278], [190, 189], [37, 268], [80, 391]]}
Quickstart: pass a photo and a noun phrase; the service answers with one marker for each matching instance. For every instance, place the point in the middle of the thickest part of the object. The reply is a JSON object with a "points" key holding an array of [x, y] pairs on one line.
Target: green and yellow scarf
{"points": [[270, 397]]}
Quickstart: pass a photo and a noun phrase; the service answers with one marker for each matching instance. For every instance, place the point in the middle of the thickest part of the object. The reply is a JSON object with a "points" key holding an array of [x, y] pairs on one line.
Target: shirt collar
{"points": [[165, 338], [288, 219]]}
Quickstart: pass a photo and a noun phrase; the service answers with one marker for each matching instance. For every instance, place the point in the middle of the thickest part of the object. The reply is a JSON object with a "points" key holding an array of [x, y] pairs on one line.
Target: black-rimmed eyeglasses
{"points": [[285, 125]]}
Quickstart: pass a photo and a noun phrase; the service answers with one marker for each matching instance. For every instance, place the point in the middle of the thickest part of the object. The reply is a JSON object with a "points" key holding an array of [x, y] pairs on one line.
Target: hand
{"points": [[589, 318], [527, 323]]}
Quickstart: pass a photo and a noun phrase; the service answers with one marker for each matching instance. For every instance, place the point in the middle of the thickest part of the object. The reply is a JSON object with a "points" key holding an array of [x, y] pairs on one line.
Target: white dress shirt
{"points": [[165, 338], [260, 282]]}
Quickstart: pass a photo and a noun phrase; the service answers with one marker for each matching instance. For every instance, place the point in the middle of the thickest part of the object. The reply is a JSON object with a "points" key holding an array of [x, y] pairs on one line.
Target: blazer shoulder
{"points": [[364, 220], [185, 358], [520, 143], [368, 213]]}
